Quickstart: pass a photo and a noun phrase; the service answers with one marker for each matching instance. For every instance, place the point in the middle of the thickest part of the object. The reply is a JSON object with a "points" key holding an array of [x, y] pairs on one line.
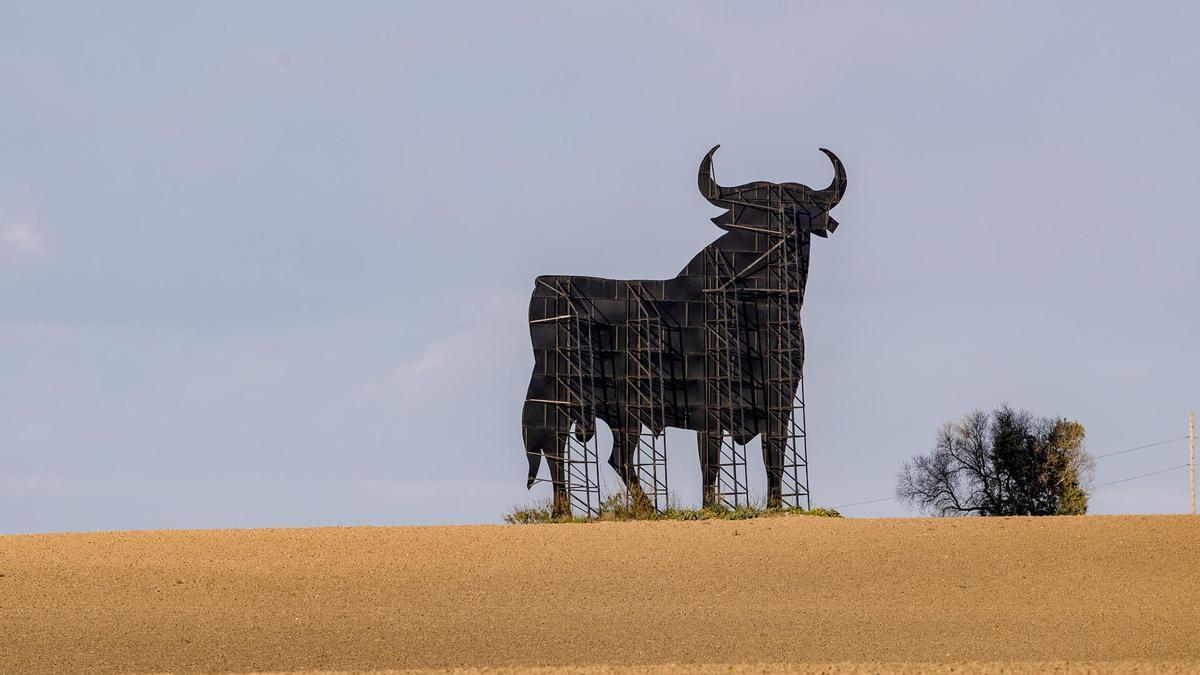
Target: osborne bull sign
{"points": [[717, 349]]}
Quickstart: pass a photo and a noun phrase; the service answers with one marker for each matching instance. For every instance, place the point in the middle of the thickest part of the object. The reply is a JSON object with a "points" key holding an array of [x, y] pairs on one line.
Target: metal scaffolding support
{"points": [[724, 405], [735, 343], [645, 392], [785, 376], [575, 376]]}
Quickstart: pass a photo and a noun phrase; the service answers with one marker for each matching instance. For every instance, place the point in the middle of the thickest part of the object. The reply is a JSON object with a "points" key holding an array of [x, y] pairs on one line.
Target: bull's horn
{"points": [[704, 179], [833, 194]]}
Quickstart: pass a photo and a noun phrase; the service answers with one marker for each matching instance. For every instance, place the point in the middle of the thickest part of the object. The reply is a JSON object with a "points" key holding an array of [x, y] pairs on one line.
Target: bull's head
{"points": [[763, 206]]}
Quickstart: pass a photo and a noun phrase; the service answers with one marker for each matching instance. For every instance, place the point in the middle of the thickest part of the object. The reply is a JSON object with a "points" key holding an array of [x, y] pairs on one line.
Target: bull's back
{"points": [[595, 299]]}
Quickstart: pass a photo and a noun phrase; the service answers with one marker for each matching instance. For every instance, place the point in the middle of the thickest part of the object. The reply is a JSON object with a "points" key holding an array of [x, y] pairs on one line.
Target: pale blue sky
{"points": [[267, 264]]}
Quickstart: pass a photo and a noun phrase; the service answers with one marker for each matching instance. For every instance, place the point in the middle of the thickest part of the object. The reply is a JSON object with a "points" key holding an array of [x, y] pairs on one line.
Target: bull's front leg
{"points": [[773, 444]]}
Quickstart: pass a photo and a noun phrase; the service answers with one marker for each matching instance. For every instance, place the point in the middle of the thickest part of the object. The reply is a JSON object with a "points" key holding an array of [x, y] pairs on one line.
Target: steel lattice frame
{"points": [[645, 400], [723, 404]]}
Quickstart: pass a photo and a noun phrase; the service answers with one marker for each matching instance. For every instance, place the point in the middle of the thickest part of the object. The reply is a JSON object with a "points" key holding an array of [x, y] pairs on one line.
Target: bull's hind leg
{"points": [[623, 460], [710, 464], [556, 458]]}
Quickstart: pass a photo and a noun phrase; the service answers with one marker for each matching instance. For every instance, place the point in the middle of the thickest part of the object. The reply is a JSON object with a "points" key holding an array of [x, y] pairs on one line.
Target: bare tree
{"points": [[1002, 463]]}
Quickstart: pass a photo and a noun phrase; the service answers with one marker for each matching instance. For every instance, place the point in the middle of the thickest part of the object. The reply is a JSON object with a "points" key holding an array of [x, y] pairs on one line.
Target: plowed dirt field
{"points": [[770, 595]]}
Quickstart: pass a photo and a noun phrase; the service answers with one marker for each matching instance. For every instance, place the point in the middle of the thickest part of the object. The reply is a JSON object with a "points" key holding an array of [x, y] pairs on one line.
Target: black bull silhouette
{"points": [[747, 285]]}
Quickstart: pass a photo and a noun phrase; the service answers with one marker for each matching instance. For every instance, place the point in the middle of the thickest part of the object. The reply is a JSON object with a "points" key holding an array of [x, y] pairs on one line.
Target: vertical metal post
{"points": [[1192, 457]]}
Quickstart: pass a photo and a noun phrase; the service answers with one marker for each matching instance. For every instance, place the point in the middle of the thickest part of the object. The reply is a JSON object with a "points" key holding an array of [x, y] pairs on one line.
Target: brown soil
{"points": [[768, 595]]}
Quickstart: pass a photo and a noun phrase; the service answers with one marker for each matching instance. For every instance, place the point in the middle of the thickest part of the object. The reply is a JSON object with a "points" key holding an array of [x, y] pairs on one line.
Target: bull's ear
{"points": [[724, 220], [742, 215]]}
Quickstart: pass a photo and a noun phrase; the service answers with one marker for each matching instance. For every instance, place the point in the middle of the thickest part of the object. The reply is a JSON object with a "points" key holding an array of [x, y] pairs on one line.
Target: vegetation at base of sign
{"points": [[620, 507]]}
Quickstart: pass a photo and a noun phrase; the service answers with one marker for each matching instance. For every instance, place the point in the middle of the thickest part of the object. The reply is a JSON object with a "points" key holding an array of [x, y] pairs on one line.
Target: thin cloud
{"points": [[22, 237], [436, 357]]}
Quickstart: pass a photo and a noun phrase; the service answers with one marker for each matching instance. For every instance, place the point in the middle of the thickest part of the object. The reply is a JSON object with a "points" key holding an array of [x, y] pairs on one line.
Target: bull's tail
{"points": [[539, 440], [547, 441], [546, 422]]}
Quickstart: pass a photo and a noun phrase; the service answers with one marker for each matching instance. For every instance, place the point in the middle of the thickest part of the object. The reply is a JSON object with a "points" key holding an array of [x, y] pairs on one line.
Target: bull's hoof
{"points": [[561, 509]]}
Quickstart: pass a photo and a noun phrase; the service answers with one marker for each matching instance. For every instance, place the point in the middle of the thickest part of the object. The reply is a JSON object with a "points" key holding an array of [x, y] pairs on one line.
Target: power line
{"points": [[1169, 468], [1140, 447], [870, 501]]}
